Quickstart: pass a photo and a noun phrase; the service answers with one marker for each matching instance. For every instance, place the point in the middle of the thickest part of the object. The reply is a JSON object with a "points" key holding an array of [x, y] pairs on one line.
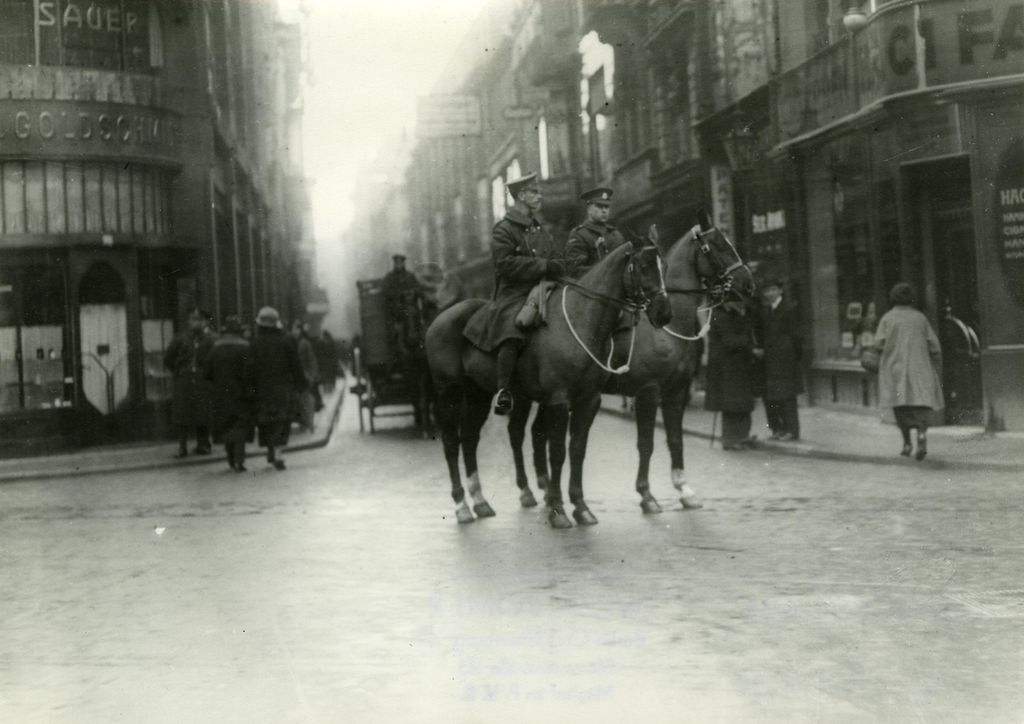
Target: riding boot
{"points": [[508, 354]]}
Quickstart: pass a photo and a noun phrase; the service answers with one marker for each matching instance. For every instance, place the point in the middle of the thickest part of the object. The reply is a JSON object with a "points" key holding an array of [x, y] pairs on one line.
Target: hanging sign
{"points": [[1008, 224]]}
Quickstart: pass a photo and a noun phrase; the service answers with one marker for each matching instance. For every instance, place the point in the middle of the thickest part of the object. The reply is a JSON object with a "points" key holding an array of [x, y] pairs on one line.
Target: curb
{"points": [[835, 456], [171, 463]]}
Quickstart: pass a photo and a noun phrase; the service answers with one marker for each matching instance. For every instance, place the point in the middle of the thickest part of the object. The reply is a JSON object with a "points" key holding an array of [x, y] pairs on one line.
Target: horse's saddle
{"points": [[534, 311]]}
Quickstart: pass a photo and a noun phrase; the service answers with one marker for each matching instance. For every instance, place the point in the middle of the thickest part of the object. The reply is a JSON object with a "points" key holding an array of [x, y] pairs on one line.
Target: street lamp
{"points": [[854, 19], [740, 147]]}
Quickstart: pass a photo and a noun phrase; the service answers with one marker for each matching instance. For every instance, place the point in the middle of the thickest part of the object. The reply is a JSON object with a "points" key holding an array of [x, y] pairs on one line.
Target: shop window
{"points": [[56, 213], [14, 198], [74, 188], [33, 363], [158, 303]]}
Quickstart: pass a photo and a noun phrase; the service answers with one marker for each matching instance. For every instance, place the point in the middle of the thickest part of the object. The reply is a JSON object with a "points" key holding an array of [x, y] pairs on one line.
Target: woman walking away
{"points": [[226, 370], [274, 375], [908, 378]]}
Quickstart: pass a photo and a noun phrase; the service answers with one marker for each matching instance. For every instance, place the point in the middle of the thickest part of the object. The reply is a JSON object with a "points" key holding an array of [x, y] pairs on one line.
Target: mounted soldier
{"points": [[595, 237], [524, 254]]}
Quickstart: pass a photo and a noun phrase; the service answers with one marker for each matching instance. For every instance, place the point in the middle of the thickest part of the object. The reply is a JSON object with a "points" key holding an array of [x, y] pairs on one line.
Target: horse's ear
{"points": [[703, 220]]}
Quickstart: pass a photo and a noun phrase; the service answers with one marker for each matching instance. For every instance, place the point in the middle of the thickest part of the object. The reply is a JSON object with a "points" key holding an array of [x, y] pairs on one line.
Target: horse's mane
{"points": [[610, 258]]}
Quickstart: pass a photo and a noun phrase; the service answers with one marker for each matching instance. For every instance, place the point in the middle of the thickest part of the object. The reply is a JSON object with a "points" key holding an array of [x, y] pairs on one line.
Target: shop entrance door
{"points": [[945, 223], [103, 335]]}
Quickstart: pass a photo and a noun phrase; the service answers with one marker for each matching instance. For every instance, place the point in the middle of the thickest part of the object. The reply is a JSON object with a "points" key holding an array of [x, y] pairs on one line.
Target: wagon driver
{"points": [[523, 254]]}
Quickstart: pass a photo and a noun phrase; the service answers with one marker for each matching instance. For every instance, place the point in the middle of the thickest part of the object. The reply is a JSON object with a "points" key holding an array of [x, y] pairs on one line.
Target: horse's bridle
{"points": [[637, 300], [722, 284]]}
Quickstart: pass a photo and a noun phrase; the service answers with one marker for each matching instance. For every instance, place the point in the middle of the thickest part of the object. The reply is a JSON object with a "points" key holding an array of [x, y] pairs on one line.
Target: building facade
{"points": [[144, 171]]}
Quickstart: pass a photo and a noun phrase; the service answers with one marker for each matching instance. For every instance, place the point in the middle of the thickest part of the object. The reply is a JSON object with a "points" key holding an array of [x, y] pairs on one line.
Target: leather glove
{"points": [[554, 268]]}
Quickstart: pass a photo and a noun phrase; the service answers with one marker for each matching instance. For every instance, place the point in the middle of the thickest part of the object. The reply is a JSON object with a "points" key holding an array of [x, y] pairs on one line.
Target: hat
{"points": [[599, 195], [398, 256], [268, 317], [523, 182]]}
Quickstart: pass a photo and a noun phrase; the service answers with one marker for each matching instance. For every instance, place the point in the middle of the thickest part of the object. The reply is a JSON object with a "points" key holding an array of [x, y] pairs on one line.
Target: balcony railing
{"points": [[906, 46]]}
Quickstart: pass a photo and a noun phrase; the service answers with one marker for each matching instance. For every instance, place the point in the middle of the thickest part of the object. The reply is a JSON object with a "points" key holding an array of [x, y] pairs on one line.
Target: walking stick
{"points": [[714, 424]]}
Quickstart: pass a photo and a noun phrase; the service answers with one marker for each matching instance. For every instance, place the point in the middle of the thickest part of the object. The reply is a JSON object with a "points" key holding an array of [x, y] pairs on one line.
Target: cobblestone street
{"points": [[343, 590]]}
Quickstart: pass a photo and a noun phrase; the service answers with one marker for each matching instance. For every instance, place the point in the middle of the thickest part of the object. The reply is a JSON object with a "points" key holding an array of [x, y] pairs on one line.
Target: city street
{"points": [[342, 590]]}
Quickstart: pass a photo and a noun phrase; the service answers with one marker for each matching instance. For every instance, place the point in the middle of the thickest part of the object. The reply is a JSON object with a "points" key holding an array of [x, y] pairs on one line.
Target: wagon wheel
{"points": [[371, 397]]}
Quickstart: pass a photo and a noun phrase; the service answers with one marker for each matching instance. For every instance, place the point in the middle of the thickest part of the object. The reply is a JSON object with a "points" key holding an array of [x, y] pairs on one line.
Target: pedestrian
{"points": [[733, 372], [908, 368], [327, 360], [185, 357], [308, 399], [783, 349], [226, 368], [274, 374], [524, 253]]}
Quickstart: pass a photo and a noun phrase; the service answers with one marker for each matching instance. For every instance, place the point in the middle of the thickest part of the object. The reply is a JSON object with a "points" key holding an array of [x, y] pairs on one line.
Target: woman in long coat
{"points": [[908, 377], [226, 368], [733, 373], [274, 376]]}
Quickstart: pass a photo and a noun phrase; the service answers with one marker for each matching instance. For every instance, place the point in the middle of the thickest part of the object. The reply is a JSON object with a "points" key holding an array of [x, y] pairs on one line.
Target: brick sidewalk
{"points": [[833, 435], [152, 455]]}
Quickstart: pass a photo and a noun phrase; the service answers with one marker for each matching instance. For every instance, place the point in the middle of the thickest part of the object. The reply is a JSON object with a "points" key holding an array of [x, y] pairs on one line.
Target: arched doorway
{"points": [[103, 335]]}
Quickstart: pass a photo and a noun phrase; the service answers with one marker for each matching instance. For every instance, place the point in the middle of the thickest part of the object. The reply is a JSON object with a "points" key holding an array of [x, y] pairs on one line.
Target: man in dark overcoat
{"points": [[226, 367], [523, 253], [185, 357], [595, 237], [783, 348], [733, 372], [274, 374], [402, 293]]}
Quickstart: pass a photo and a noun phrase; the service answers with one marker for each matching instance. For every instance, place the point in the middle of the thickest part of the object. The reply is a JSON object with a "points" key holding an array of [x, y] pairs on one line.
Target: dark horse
{"points": [[559, 367], [702, 265], [412, 356]]}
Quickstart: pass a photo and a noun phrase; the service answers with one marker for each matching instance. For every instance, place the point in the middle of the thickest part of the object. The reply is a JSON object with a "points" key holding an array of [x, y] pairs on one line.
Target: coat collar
{"points": [[520, 219], [597, 226]]}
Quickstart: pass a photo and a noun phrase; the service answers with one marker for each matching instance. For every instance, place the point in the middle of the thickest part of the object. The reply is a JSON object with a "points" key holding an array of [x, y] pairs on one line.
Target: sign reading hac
{"points": [[1008, 221]]}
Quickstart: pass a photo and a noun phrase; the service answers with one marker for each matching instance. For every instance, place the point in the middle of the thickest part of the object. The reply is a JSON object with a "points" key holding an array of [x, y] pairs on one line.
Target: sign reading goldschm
{"points": [[30, 128]]}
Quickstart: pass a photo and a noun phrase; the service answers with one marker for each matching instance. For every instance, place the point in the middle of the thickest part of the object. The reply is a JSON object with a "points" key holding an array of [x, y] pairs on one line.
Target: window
{"points": [[72, 198], [33, 363], [16, 32], [542, 143], [497, 199]]}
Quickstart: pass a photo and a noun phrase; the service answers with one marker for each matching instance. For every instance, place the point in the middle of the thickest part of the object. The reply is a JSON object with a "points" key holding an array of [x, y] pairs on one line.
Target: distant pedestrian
{"points": [[274, 375], [908, 376], [185, 357], [783, 348], [308, 398], [226, 368], [327, 360], [732, 372]]}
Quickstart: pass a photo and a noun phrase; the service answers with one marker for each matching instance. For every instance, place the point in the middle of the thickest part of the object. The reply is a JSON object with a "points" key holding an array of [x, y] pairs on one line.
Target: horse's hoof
{"points": [[690, 499], [542, 482], [558, 520], [583, 516], [649, 506], [526, 499], [462, 515], [484, 510]]}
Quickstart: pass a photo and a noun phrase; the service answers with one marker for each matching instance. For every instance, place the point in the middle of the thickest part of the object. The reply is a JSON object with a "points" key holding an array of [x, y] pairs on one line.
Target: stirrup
{"points": [[503, 405]]}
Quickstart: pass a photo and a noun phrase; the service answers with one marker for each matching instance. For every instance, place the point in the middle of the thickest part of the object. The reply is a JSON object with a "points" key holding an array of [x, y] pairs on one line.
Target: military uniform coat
{"points": [[585, 246], [732, 372], [185, 357], [907, 374], [274, 374], [226, 370], [520, 248], [783, 348]]}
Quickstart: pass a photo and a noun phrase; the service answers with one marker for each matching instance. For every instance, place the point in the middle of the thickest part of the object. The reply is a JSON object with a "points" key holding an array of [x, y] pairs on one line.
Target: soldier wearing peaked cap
{"points": [[595, 237], [523, 253]]}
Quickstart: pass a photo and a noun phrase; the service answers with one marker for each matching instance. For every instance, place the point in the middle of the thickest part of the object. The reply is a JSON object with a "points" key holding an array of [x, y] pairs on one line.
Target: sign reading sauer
{"points": [[55, 129]]}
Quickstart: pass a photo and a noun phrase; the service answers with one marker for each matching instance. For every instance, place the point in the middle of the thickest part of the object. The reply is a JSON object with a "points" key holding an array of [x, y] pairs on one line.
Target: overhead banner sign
{"points": [[448, 116]]}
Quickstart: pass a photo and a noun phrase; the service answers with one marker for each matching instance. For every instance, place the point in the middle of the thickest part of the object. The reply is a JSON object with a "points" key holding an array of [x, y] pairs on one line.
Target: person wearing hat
{"points": [[226, 367], [273, 375], [783, 348], [401, 290], [595, 237], [523, 253], [185, 358]]}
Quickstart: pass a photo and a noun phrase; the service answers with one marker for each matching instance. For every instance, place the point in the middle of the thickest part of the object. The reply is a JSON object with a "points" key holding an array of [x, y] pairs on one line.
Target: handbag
{"points": [[869, 358]]}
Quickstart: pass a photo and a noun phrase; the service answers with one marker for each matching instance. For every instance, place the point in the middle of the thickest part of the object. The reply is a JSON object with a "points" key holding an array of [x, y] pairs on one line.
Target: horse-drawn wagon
{"points": [[388, 363]]}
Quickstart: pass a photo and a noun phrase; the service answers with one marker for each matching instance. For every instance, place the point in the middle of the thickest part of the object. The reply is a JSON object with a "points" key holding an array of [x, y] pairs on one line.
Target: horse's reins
{"points": [[625, 305]]}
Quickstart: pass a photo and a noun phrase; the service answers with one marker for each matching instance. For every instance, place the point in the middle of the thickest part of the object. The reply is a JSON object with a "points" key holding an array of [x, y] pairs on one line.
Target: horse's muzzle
{"points": [[659, 311]]}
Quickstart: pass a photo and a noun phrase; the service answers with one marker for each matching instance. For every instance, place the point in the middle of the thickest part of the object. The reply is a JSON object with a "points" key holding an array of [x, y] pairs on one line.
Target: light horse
{"points": [[701, 266], [559, 366]]}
